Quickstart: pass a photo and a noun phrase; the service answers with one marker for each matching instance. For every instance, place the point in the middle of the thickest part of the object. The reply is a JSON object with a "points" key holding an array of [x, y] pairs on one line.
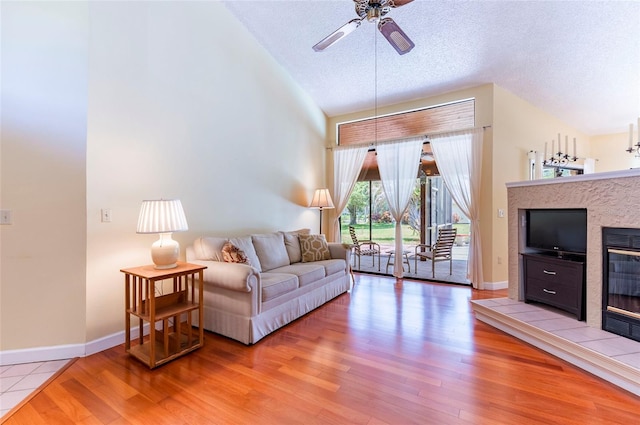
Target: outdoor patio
{"points": [[458, 276]]}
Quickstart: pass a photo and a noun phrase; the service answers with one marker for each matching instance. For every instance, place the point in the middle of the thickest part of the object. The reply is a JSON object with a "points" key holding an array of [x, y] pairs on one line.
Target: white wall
{"points": [[43, 143], [176, 110], [519, 127], [609, 152], [179, 102]]}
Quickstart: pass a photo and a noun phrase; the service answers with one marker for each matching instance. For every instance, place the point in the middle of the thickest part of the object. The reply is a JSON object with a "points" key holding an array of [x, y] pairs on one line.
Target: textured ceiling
{"points": [[577, 60]]}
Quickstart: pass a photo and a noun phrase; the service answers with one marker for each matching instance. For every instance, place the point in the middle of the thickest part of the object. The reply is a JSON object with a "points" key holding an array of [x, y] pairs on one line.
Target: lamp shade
{"points": [[162, 216], [321, 199]]}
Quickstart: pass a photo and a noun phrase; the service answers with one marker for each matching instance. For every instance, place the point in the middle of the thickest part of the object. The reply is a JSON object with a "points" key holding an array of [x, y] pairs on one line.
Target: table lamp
{"points": [[163, 217], [321, 199]]}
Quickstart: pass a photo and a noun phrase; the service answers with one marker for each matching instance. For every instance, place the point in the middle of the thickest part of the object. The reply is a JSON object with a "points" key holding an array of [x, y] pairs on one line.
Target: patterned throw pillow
{"points": [[292, 244], [314, 248], [233, 254]]}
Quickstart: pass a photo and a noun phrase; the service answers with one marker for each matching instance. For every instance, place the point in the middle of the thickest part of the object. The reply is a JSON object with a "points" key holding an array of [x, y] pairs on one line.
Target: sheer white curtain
{"points": [[347, 163], [398, 164], [459, 159]]}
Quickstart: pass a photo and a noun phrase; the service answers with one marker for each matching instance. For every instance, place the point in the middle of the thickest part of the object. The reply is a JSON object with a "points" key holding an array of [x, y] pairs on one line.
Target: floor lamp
{"points": [[321, 200]]}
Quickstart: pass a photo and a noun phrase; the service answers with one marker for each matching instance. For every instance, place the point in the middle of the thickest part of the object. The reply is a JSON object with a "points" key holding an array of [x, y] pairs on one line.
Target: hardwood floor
{"points": [[389, 352]]}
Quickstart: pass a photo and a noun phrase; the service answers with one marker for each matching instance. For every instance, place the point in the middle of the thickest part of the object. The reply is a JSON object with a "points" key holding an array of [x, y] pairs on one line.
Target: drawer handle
{"points": [[548, 291], [548, 272]]}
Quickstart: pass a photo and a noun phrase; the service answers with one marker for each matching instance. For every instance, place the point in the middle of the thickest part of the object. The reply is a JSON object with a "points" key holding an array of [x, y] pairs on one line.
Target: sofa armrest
{"points": [[233, 276], [340, 251]]}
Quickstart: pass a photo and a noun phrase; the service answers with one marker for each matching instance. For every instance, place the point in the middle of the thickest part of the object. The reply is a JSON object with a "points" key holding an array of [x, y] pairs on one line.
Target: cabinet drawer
{"points": [[567, 274], [558, 295]]}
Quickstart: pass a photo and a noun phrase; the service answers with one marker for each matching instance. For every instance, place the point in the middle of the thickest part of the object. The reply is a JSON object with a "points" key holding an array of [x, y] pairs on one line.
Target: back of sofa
{"points": [[264, 252]]}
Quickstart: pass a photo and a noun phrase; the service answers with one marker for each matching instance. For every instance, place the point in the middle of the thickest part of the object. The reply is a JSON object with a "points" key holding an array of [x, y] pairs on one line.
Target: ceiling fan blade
{"points": [[337, 35], [398, 3], [395, 36]]}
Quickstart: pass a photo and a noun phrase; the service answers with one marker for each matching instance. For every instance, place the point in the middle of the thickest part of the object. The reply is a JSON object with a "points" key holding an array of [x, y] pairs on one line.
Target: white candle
{"points": [[566, 145], [638, 135], [553, 149], [630, 135], [574, 148], [559, 142], [545, 151]]}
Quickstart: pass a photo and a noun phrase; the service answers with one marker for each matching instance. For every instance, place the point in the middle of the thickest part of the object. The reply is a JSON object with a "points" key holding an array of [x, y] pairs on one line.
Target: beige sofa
{"points": [[288, 275]]}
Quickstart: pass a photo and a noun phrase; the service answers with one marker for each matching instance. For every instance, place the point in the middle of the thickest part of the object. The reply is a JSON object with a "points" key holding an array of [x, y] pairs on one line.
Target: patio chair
{"points": [[366, 248], [439, 251]]}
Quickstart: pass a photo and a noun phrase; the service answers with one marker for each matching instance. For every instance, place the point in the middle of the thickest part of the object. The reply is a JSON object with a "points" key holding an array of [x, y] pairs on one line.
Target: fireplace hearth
{"points": [[621, 281]]}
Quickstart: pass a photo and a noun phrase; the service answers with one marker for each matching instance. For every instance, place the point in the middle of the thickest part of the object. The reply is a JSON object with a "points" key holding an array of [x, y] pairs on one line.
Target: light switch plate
{"points": [[5, 216], [106, 215]]}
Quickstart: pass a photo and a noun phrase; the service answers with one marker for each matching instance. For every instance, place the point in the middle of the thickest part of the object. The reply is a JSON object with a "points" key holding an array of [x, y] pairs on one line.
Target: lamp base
{"points": [[165, 252]]}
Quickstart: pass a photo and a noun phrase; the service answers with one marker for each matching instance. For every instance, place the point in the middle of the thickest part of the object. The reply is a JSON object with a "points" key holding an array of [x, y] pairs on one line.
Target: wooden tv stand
{"points": [[558, 282]]}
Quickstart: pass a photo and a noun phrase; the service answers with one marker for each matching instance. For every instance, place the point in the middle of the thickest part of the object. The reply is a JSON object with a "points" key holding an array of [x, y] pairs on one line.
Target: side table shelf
{"points": [[169, 315]]}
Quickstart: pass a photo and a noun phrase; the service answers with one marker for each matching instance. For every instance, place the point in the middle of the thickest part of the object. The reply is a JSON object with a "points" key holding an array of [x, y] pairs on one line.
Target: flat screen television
{"points": [[560, 230]]}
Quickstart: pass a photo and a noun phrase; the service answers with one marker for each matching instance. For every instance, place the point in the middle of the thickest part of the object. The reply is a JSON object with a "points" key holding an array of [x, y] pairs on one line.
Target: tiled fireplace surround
{"points": [[611, 200]]}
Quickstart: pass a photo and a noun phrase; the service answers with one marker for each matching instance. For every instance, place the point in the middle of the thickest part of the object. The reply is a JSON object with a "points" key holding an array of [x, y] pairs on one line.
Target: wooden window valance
{"points": [[437, 119]]}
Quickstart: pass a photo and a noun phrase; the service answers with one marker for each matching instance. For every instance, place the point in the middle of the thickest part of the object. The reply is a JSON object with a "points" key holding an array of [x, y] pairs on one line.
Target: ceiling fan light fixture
{"points": [[395, 36], [374, 14]]}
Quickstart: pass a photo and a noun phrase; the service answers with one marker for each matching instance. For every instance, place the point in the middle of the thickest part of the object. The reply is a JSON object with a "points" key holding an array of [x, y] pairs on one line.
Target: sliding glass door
{"points": [[430, 208]]}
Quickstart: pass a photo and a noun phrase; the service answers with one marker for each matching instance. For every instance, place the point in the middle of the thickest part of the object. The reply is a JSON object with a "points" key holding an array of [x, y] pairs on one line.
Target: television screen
{"points": [[563, 230]]}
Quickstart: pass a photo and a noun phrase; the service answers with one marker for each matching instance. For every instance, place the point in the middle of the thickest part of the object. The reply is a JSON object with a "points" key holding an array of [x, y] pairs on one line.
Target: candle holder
{"points": [[560, 158], [634, 148]]}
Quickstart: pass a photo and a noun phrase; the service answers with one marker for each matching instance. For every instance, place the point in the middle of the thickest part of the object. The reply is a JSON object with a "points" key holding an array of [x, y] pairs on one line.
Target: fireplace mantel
{"points": [[578, 178], [611, 200]]}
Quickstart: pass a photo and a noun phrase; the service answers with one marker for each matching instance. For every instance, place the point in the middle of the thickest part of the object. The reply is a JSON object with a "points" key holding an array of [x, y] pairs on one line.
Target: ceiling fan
{"points": [[373, 11]]}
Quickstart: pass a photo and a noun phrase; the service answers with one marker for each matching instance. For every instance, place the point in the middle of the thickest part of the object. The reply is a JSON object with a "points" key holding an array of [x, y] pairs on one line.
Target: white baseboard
{"points": [[494, 286], [62, 352], [41, 354]]}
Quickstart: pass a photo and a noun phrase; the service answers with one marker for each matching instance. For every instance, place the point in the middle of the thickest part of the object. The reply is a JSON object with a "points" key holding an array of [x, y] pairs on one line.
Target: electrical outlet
{"points": [[106, 215], [5, 216]]}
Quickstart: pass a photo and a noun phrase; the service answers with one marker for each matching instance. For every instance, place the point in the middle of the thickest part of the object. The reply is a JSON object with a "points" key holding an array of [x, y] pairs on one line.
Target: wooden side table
{"points": [[174, 309]]}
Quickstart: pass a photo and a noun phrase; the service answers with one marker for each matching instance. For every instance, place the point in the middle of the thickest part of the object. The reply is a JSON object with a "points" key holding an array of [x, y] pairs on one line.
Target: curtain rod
{"points": [[426, 136], [456, 131]]}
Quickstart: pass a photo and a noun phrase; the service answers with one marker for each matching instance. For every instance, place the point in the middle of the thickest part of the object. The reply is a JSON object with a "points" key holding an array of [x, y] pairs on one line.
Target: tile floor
{"points": [[18, 381], [563, 325]]}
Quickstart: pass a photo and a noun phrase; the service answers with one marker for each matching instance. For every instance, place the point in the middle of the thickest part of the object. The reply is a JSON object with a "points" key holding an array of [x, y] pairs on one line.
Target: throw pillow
{"points": [[270, 250], [245, 244], [292, 244], [233, 254], [314, 248]]}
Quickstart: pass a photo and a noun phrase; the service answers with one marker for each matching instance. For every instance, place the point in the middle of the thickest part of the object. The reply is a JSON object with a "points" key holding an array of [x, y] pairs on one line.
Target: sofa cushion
{"points": [[270, 250], [233, 254], [244, 243], [292, 244], [209, 248], [332, 266], [276, 284], [307, 272], [314, 248]]}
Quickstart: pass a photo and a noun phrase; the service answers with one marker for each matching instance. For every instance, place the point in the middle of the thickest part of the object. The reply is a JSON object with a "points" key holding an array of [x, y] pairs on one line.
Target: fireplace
{"points": [[621, 281]]}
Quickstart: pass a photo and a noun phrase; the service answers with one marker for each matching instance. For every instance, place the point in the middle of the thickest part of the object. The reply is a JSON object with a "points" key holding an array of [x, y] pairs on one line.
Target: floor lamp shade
{"points": [[163, 216], [321, 200]]}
